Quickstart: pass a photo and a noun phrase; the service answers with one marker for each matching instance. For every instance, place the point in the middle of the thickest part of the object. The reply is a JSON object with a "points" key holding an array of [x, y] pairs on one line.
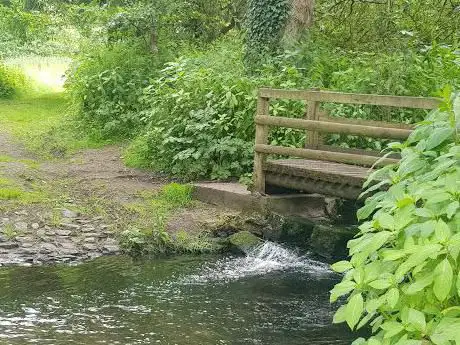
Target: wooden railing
{"points": [[316, 122]]}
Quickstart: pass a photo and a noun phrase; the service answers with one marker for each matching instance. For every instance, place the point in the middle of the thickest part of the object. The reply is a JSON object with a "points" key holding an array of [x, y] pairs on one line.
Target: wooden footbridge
{"points": [[323, 168]]}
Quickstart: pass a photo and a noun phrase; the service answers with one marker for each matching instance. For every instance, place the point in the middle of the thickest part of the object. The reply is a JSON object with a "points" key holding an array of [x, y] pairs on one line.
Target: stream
{"points": [[271, 296]]}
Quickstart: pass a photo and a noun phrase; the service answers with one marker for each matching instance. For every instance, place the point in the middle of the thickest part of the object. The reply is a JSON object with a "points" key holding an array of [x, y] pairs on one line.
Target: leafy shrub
{"points": [[105, 84], [176, 195], [12, 81], [404, 271], [193, 117]]}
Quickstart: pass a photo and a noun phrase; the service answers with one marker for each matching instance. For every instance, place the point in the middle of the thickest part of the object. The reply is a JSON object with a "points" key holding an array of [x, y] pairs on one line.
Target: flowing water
{"points": [[270, 296]]}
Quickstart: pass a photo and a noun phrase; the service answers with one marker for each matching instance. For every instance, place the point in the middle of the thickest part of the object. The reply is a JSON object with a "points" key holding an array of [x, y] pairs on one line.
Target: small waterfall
{"points": [[266, 258]]}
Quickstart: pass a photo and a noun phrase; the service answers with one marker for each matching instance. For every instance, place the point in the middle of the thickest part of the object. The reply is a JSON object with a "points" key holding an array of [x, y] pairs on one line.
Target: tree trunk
{"points": [[300, 18]]}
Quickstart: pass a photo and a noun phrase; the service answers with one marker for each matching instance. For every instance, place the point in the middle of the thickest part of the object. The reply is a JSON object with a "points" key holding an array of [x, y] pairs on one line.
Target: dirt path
{"points": [[73, 209]]}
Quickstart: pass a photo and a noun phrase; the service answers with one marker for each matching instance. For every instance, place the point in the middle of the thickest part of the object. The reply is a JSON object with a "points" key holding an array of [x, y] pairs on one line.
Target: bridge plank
{"points": [[343, 174], [338, 157]]}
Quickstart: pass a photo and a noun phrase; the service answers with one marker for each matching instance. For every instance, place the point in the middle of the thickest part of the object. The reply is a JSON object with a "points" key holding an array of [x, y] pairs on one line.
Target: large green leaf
{"points": [[416, 319], [391, 328], [355, 308], [392, 297], [447, 330], [381, 284], [340, 315], [443, 276], [341, 289], [423, 253], [420, 284], [442, 231], [438, 136], [342, 266]]}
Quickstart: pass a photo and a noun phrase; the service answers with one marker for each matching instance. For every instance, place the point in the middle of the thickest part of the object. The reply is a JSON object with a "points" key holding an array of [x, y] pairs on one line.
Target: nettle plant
{"points": [[403, 276]]}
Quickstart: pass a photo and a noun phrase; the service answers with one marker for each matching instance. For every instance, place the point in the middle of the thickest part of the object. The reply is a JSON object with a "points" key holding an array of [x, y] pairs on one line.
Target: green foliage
{"points": [[12, 81], [176, 195], [150, 236], [403, 277], [265, 22], [373, 25], [105, 85]]}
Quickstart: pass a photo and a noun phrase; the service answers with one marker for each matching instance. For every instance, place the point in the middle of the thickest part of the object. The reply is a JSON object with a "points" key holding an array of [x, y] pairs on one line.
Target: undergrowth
{"points": [[148, 233], [403, 277], [193, 117]]}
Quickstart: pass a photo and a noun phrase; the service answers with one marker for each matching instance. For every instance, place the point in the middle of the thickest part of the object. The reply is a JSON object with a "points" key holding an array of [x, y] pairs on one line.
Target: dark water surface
{"points": [[185, 301]]}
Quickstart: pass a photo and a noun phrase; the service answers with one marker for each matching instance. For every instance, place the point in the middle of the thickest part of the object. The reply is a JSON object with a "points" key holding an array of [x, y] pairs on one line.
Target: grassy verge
{"points": [[148, 234], [40, 121]]}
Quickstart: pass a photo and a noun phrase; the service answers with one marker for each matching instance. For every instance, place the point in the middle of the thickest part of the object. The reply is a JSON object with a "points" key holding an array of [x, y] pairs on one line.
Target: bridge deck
{"points": [[317, 176]]}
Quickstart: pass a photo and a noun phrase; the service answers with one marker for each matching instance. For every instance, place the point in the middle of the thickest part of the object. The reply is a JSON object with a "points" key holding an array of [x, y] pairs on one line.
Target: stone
{"points": [[90, 239], [111, 249], [41, 232], [35, 226], [69, 214], [21, 226], [89, 246], [296, 231], [60, 232], [330, 241], [244, 240], [46, 248], [9, 245], [70, 226]]}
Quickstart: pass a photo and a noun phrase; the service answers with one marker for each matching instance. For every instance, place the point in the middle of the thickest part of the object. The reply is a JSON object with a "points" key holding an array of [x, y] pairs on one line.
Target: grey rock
{"points": [[9, 245], [35, 226], [47, 248], [21, 226], [60, 232], [331, 241], [41, 232], [111, 249], [89, 246], [69, 214], [90, 239], [70, 226], [25, 239], [244, 240]]}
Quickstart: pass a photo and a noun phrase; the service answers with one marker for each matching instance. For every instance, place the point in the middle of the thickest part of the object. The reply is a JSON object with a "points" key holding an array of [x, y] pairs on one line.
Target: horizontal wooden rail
{"points": [[331, 127], [371, 123], [352, 98], [330, 156]]}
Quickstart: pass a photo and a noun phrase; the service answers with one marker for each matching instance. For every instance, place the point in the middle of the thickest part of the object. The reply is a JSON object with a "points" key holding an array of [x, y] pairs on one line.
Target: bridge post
{"points": [[263, 104], [312, 140]]}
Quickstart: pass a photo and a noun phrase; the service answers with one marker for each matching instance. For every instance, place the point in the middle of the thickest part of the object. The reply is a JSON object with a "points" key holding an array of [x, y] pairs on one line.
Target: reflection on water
{"points": [[270, 297]]}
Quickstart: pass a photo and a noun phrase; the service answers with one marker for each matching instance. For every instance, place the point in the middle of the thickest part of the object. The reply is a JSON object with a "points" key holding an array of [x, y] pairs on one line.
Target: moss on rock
{"points": [[244, 240]]}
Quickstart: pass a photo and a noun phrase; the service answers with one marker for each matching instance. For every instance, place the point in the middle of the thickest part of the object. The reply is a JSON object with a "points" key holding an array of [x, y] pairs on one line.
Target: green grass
{"points": [[41, 122], [10, 193], [39, 116]]}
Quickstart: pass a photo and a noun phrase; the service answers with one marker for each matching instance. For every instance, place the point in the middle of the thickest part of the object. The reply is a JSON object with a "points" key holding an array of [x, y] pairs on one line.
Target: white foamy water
{"points": [[264, 259]]}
